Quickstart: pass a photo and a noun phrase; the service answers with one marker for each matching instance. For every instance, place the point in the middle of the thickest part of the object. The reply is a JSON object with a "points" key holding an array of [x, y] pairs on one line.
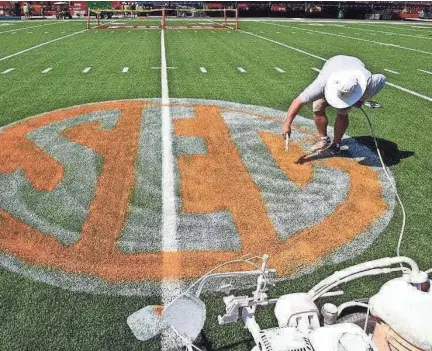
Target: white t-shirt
{"points": [[315, 91]]}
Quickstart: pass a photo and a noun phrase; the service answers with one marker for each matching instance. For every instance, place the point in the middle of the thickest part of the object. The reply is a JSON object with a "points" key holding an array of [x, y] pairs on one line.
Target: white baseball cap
{"points": [[345, 87]]}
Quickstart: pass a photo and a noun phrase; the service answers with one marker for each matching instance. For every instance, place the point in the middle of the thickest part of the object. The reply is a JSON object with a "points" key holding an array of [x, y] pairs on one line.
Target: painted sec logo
{"points": [[81, 195]]}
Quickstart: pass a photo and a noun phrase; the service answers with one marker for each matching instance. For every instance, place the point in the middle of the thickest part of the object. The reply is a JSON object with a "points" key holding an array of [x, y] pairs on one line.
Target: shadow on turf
{"points": [[389, 151], [205, 345]]}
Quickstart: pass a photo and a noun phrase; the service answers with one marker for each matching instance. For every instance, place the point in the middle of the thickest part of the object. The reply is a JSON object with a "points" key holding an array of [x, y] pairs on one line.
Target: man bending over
{"points": [[343, 82]]}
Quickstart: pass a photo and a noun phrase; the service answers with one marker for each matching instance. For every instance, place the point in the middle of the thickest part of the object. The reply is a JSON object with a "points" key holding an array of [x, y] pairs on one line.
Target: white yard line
{"points": [[424, 71], [372, 32], [282, 44], [170, 67], [40, 45], [8, 70], [86, 70], [241, 69], [323, 59], [125, 70], [315, 69], [354, 38], [391, 71], [170, 288], [409, 91], [16, 30], [280, 70], [203, 70], [46, 70]]}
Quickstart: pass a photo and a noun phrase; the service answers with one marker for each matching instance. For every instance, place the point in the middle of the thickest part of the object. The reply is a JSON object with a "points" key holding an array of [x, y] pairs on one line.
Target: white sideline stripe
{"points": [[422, 70], [16, 30], [241, 69], [86, 70], [280, 70], [8, 70], [323, 59], [354, 38], [203, 70], [169, 215], [315, 69], [125, 69], [46, 70], [40, 45], [391, 71]]}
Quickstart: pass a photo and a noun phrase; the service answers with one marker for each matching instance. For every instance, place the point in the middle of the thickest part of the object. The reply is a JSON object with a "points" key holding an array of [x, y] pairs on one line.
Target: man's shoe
{"points": [[322, 144], [332, 150]]}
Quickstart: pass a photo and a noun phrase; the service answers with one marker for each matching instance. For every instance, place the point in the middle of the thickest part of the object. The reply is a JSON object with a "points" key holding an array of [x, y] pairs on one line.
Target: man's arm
{"points": [[295, 107]]}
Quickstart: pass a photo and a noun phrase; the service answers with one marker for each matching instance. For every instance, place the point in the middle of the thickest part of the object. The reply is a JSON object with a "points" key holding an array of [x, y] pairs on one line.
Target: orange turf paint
{"points": [[216, 181]]}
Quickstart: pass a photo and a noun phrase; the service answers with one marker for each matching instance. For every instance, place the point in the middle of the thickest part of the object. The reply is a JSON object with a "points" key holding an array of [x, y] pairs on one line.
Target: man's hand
{"points": [[286, 130], [294, 108]]}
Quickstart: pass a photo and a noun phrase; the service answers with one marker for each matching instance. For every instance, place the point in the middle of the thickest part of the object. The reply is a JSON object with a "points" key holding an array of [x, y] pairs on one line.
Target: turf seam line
{"points": [[42, 44], [323, 59]]}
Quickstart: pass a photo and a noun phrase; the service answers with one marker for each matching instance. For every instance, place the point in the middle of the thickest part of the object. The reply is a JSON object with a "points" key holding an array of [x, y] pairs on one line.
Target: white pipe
{"points": [[251, 324], [333, 293], [317, 294], [380, 263]]}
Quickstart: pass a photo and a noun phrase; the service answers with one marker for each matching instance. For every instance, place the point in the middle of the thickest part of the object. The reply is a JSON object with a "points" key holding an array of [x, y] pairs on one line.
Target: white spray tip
{"points": [[286, 142]]}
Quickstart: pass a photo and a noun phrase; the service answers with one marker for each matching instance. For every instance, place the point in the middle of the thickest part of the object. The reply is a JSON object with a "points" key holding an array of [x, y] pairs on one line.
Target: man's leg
{"points": [[321, 123], [340, 127], [320, 117]]}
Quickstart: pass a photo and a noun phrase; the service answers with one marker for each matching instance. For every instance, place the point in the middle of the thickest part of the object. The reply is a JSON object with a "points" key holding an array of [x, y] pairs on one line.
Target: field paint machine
{"points": [[398, 317]]}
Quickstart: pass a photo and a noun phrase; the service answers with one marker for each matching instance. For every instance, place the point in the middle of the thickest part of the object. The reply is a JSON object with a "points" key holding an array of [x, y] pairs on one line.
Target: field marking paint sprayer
{"points": [[397, 318]]}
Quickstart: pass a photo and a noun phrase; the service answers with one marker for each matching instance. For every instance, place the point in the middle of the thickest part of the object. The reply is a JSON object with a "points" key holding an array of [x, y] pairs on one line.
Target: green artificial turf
{"points": [[37, 316]]}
